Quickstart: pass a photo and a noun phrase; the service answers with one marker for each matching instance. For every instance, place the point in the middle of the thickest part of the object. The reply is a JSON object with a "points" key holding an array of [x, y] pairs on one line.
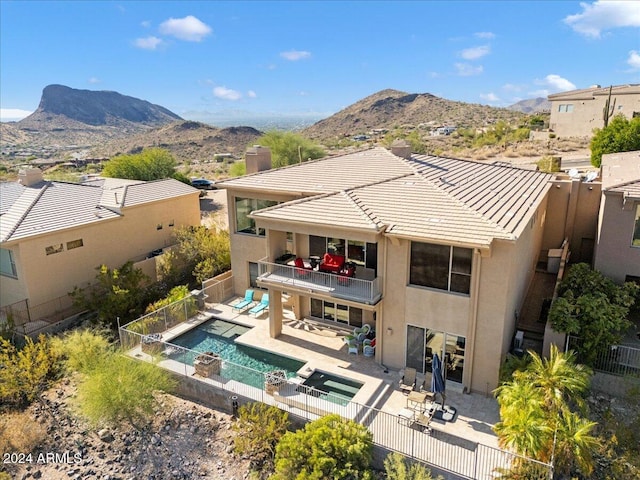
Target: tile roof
{"points": [[589, 93], [442, 199], [325, 175], [630, 189], [51, 206]]}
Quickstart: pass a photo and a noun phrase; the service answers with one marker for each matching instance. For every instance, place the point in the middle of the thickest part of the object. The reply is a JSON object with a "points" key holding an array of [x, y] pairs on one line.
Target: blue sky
{"points": [[201, 59]]}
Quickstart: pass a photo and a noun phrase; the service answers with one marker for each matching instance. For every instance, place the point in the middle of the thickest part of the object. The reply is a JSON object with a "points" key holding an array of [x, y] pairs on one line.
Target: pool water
{"points": [[249, 364], [332, 388]]}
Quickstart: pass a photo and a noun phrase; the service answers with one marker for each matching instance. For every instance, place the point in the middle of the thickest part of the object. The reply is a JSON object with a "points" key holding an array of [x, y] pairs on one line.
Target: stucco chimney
{"points": [[258, 159], [401, 148], [30, 176]]}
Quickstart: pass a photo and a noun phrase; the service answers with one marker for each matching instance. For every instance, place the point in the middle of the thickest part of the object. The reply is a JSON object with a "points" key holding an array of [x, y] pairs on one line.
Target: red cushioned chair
{"points": [[301, 270], [331, 263]]}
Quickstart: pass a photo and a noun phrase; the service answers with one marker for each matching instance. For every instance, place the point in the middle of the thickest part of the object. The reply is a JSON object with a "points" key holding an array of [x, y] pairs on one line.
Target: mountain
{"points": [[187, 140], [69, 116], [532, 105], [390, 108]]}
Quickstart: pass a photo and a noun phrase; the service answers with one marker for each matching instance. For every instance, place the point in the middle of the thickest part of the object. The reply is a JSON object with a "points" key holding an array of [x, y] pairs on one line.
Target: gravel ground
{"points": [[184, 441]]}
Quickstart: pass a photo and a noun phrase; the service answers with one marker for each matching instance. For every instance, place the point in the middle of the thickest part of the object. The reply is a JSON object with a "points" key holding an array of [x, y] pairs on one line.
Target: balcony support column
{"points": [[275, 313]]}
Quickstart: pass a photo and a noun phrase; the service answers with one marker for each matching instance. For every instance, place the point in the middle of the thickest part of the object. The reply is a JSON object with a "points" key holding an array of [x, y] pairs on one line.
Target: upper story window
{"points": [[51, 249], [440, 266], [7, 263], [565, 108], [244, 206], [636, 228], [75, 244]]}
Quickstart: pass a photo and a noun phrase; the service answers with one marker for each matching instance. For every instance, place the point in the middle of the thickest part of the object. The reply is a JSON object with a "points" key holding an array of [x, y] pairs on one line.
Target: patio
{"points": [[322, 347]]}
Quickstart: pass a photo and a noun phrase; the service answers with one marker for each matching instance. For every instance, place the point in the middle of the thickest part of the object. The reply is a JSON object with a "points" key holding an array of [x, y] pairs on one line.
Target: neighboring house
{"points": [[445, 251], [53, 235], [618, 243], [578, 112]]}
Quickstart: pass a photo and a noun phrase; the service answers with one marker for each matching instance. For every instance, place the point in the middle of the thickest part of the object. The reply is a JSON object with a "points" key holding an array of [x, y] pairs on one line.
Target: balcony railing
{"points": [[311, 281]]}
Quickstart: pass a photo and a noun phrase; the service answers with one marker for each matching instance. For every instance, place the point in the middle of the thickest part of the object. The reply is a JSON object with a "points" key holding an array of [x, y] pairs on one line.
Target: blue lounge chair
{"points": [[246, 303], [259, 308]]}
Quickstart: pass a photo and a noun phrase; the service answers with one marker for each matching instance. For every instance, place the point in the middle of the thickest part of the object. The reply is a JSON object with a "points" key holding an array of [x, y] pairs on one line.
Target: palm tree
{"points": [[574, 445]]}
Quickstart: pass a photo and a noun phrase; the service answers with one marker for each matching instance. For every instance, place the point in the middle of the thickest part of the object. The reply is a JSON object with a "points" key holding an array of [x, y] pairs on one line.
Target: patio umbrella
{"points": [[437, 381]]}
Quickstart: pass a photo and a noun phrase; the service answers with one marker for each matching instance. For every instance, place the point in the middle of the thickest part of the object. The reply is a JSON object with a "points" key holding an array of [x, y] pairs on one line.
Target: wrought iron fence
{"points": [[616, 359], [437, 448]]}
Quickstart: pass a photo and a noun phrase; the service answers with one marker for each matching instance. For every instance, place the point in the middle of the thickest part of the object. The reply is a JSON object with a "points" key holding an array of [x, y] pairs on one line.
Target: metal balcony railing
{"points": [[311, 281]]}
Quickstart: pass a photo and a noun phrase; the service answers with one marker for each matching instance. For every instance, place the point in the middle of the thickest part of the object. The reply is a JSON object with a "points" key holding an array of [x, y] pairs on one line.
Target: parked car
{"points": [[203, 184]]}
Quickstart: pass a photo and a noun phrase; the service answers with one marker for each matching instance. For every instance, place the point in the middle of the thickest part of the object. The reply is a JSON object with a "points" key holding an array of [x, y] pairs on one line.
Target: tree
{"points": [[593, 308], [536, 417], [397, 467], [329, 447], [202, 252], [116, 293], [620, 135], [259, 427], [288, 148], [150, 164]]}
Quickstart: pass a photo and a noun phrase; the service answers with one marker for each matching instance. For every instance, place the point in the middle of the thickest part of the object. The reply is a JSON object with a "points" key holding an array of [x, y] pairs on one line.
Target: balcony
{"points": [[295, 279]]}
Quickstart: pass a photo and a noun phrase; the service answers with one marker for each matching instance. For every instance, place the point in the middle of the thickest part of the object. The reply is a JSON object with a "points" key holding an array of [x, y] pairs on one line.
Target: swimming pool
{"points": [[332, 388], [219, 336]]}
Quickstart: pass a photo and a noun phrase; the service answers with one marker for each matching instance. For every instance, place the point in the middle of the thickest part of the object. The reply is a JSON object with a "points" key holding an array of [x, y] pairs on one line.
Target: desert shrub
{"points": [[259, 429], [20, 433], [120, 388], [26, 372], [83, 349], [175, 294], [397, 467], [548, 164], [329, 447]]}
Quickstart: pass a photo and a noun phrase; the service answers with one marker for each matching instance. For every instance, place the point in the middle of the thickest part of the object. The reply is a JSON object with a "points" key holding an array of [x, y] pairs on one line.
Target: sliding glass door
{"points": [[423, 343]]}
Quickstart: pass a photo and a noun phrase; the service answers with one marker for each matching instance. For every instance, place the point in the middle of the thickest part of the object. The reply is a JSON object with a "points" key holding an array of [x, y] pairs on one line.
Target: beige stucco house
{"points": [[444, 251], [53, 235], [578, 112], [618, 242]]}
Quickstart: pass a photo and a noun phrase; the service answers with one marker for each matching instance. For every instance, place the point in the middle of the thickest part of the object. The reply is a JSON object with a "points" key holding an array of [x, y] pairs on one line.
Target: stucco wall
{"points": [[112, 242]]}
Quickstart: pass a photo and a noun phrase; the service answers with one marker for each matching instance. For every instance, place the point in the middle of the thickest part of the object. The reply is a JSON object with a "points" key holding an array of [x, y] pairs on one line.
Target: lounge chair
{"points": [[408, 381], [246, 303], [259, 308]]}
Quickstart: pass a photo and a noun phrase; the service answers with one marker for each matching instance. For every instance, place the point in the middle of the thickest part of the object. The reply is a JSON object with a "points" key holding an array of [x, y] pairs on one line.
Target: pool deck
{"points": [[324, 349]]}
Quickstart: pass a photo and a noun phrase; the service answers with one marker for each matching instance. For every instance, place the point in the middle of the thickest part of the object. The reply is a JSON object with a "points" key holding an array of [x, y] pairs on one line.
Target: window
{"points": [[244, 206], [565, 108], [7, 264], [636, 229], [74, 244], [253, 274], [159, 226], [50, 250], [360, 253], [335, 312], [440, 266]]}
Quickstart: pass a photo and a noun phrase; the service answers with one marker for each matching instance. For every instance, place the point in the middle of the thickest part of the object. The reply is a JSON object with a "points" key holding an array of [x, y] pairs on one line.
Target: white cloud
{"points": [[13, 114], [434, 75], [251, 94], [145, 23], [148, 43], [467, 70], [188, 28], [510, 87], [489, 97], [94, 80], [295, 55], [634, 60], [603, 15], [474, 53], [487, 35], [226, 93], [556, 83]]}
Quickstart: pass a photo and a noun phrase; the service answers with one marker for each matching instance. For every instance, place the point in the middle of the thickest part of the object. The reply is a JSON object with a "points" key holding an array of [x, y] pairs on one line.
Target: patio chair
{"points": [[353, 347], [361, 332], [408, 381], [301, 270], [369, 347], [246, 303], [259, 308], [423, 419]]}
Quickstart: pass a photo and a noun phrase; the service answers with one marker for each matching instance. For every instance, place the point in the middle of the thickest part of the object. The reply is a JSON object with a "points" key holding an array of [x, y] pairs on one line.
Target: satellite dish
{"points": [[591, 176], [573, 173]]}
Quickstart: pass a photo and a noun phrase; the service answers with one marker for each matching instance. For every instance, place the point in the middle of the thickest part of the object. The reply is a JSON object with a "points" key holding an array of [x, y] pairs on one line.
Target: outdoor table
{"points": [[405, 416], [417, 400]]}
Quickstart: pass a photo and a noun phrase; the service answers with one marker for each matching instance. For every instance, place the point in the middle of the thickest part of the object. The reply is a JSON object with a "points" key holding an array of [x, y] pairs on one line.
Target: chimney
{"points": [[401, 148], [30, 176], [258, 159]]}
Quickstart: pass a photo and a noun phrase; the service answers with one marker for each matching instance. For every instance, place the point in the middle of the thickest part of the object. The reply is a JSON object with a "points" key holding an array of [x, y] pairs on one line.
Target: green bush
{"points": [[548, 164], [25, 373], [119, 388], [621, 135], [83, 350], [329, 447], [259, 429], [397, 467]]}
